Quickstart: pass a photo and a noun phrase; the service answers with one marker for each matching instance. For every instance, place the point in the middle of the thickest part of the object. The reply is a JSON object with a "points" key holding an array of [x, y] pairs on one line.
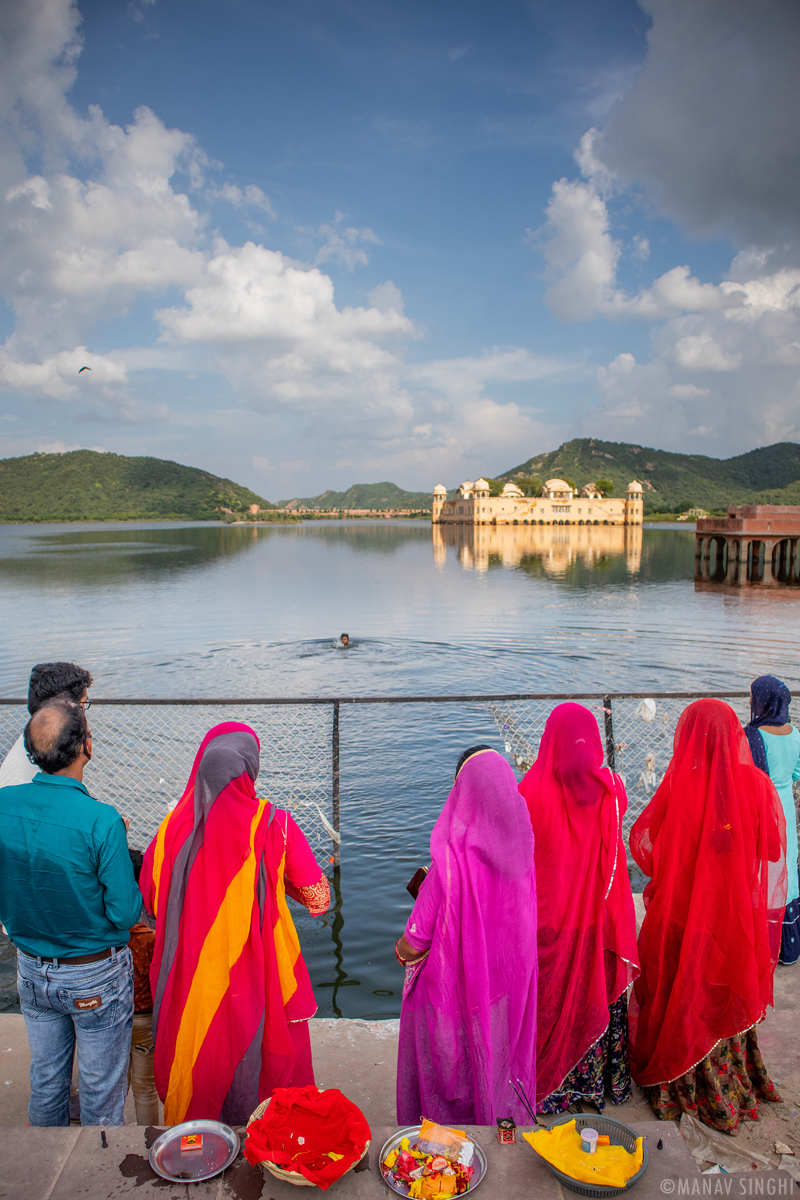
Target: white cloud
{"points": [[580, 253], [58, 377], [76, 250], [641, 247], [251, 294], [708, 128], [582, 259], [250, 196], [107, 214], [387, 297], [700, 352], [137, 8], [688, 390], [469, 376], [343, 244]]}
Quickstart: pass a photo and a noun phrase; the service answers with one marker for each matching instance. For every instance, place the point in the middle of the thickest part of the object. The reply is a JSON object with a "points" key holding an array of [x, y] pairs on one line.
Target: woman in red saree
{"points": [[587, 922], [231, 993], [713, 841]]}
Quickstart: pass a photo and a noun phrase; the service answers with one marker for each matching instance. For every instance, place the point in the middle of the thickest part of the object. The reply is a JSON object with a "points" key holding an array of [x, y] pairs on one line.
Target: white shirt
{"points": [[16, 766]]}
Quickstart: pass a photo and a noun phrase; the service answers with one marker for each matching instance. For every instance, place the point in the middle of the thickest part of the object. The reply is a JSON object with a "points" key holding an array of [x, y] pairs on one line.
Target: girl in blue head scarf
{"points": [[775, 746]]}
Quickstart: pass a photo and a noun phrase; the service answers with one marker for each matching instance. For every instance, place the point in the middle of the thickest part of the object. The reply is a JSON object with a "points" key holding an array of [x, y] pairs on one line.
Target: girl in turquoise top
{"points": [[775, 745]]}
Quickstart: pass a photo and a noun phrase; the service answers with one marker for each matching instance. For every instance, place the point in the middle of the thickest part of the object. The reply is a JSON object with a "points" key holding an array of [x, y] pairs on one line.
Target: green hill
{"points": [[675, 482], [381, 496], [83, 485]]}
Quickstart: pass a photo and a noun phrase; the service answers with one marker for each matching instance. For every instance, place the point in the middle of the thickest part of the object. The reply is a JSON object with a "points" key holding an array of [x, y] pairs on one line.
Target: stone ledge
{"points": [[61, 1164]]}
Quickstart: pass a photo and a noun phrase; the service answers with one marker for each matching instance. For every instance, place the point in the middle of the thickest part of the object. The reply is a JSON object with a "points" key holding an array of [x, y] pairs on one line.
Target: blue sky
{"points": [[306, 243]]}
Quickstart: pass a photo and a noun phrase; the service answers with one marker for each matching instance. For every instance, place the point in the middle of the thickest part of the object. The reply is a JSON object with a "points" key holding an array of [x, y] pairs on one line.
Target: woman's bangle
{"points": [[408, 962]]}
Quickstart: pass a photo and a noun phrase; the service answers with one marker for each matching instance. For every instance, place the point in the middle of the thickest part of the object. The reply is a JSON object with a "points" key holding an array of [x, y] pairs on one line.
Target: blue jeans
{"points": [[93, 1004]]}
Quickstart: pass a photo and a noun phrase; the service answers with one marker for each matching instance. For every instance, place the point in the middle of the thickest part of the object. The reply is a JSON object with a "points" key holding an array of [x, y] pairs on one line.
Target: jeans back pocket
{"points": [[93, 1004]]}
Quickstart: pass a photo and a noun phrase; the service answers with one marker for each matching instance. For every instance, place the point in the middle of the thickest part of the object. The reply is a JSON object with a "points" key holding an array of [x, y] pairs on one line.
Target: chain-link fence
{"points": [[143, 754], [144, 749], [636, 731]]}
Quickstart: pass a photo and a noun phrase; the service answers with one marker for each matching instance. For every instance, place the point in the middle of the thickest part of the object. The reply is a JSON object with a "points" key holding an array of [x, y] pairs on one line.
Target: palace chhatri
{"points": [[557, 505]]}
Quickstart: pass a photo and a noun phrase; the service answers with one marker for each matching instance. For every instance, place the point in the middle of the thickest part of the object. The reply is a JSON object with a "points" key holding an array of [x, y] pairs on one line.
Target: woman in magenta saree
{"points": [[468, 1019]]}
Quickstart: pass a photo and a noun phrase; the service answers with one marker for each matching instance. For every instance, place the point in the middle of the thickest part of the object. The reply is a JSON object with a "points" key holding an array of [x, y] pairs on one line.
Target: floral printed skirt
{"points": [[721, 1091], [605, 1068]]}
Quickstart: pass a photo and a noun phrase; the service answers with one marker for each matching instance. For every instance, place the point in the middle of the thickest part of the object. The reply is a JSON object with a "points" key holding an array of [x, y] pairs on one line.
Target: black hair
{"points": [[62, 680], [137, 858], [57, 747], [344, 635], [468, 754]]}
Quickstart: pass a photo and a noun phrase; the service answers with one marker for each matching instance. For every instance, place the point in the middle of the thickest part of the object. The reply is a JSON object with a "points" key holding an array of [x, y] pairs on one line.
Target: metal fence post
{"points": [[335, 786], [610, 756]]}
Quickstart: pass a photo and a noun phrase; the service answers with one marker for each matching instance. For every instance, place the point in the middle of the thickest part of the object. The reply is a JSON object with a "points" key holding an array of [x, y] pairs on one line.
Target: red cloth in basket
{"points": [[325, 1121]]}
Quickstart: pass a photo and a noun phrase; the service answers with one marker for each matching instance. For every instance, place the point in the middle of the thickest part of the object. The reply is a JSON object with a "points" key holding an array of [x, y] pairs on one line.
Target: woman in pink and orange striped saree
{"points": [[231, 992]]}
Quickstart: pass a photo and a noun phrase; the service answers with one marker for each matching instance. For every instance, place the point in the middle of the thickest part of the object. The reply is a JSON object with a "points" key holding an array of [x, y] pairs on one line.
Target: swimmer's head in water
{"points": [[344, 638]]}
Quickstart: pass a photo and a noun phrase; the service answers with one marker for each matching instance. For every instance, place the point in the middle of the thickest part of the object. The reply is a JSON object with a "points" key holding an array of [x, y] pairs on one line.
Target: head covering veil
{"points": [[713, 841], [227, 975], [587, 923], [769, 705], [468, 1022]]}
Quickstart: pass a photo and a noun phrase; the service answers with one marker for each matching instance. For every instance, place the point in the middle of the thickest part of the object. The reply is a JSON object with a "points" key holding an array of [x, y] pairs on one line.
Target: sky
{"points": [[309, 243]]}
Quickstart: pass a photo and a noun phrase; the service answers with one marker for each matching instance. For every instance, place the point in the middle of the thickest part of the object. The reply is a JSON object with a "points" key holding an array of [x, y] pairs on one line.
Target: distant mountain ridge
{"points": [[379, 496], [85, 485], [674, 482]]}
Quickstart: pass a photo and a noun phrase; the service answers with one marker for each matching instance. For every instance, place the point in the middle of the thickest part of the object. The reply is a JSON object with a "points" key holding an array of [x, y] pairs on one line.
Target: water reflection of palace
{"points": [[557, 546]]}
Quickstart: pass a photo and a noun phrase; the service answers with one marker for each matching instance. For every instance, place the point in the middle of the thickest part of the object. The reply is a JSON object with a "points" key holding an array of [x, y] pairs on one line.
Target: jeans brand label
{"points": [[91, 1002]]}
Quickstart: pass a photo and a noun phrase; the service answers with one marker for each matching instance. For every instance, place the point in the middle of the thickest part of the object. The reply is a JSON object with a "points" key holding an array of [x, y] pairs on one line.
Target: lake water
{"points": [[172, 610]]}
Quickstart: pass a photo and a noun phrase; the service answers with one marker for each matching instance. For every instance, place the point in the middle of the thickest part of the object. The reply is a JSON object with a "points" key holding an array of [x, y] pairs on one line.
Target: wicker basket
{"points": [[290, 1176], [620, 1135]]}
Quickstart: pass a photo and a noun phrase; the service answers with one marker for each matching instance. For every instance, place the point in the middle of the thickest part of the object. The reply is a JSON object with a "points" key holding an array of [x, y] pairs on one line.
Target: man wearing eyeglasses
{"points": [[48, 682], [68, 898]]}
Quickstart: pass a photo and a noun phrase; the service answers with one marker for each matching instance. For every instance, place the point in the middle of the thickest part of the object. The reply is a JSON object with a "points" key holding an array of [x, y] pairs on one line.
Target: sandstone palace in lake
{"points": [[558, 505]]}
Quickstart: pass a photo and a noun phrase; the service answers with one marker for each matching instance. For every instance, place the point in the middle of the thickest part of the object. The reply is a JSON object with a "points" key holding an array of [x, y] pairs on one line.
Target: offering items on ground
{"points": [[435, 1166], [317, 1134], [608, 1166]]}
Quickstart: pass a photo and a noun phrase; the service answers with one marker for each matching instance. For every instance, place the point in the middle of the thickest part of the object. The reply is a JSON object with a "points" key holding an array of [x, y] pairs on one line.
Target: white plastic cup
{"points": [[589, 1141]]}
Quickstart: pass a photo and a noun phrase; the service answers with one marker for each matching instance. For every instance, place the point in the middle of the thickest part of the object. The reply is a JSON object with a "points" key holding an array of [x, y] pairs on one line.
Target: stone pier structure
{"points": [[754, 544]]}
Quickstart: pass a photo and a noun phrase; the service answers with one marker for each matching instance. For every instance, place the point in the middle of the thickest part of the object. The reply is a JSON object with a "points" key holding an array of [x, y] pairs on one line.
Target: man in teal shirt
{"points": [[68, 898]]}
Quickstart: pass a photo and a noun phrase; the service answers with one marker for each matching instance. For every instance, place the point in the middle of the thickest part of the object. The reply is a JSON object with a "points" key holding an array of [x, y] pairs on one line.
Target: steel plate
{"points": [[220, 1147], [412, 1132]]}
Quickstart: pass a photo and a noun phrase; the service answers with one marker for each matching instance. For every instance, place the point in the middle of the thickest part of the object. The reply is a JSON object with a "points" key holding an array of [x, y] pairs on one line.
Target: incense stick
{"points": [[524, 1102], [531, 1107]]}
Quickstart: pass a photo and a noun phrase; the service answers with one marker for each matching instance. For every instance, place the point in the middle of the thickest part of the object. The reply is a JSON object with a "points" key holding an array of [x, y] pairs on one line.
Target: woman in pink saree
{"points": [[587, 923], [468, 1019]]}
